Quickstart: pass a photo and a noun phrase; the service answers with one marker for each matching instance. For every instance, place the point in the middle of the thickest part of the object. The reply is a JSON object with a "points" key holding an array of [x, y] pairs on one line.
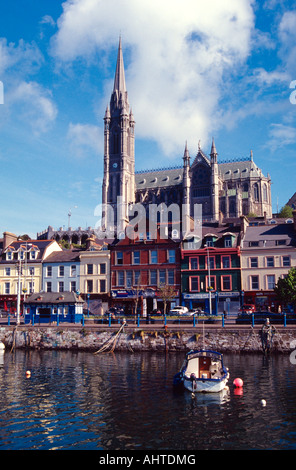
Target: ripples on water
{"points": [[126, 401]]}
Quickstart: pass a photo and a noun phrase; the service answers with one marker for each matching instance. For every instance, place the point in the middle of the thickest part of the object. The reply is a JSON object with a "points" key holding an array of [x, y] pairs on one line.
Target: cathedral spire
{"points": [[119, 81]]}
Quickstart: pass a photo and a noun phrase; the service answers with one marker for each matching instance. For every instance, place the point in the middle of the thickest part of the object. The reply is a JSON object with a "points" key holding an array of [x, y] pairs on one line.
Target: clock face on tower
{"points": [[114, 165]]}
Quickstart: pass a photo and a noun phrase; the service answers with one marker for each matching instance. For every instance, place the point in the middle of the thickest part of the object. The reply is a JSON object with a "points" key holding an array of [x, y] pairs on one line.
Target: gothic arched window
{"points": [[256, 191]]}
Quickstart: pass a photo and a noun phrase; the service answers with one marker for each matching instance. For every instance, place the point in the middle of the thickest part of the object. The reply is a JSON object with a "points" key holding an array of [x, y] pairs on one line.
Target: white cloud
{"points": [[85, 138], [179, 53], [32, 104], [21, 58], [281, 135]]}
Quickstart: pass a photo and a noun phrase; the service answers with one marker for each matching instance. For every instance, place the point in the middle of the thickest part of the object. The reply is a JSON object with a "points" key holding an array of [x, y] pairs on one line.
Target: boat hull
{"points": [[202, 371], [205, 385]]}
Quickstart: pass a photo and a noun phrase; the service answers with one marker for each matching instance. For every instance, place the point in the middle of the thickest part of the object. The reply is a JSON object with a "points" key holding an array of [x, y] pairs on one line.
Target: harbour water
{"points": [[82, 401]]}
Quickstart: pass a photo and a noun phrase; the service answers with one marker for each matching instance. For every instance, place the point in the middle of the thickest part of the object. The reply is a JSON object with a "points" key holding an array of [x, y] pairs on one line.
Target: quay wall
{"points": [[89, 338]]}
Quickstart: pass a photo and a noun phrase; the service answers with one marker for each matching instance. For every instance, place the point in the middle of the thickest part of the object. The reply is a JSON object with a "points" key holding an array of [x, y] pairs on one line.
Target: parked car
{"points": [[247, 308], [178, 310], [196, 311], [260, 318], [156, 311]]}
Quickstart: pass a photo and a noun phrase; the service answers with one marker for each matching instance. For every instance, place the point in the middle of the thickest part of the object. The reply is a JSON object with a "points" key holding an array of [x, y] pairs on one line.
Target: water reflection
{"points": [[127, 401]]}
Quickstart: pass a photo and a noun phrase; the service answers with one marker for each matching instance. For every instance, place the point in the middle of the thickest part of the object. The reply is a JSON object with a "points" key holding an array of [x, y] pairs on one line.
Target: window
{"points": [[102, 268], [73, 286], [212, 282], [136, 256], [225, 262], [211, 262], [153, 256], [102, 285], [286, 261], [61, 271], [32, 271], [61, 286], [48, 271], [9, 256], [31, 287], [171, 277], [228, 242], [254, 282], [129, 278], [7, 271], [256, 192], [270, 261], [153, 277], [172, 256], [21, 255], [254, 262], [48, 286], [119, 257], [7, 288], [33, 254], [193, 263], [137, 275], [209, 243], [120, 278], [226, 283], [89, 286], [194, 283], [270, 281], [253, 243], [162, 277], [73, 270], [89, 268]]}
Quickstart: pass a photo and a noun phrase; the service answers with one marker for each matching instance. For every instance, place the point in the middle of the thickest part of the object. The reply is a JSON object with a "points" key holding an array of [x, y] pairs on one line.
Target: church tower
{"points": [[118, 189]]}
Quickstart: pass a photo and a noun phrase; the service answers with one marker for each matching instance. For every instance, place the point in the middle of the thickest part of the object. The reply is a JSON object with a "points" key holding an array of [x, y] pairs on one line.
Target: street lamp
{"points": [[209, 276]]}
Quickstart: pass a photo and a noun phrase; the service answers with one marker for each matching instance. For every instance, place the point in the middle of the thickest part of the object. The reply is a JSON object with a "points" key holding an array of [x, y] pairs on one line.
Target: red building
{"points": [[139, 269]]}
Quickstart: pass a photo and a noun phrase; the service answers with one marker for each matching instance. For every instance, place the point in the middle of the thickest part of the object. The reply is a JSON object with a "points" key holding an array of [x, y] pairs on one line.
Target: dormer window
{"points": [[9, 256]]}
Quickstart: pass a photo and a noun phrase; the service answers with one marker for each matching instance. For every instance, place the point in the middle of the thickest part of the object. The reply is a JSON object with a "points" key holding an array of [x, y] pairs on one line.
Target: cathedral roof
{"points": [[162, 177], [239, 169]]}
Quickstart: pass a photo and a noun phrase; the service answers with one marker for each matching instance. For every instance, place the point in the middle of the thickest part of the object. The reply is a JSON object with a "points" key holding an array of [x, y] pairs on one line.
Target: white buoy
{"points": [[263, 402]]}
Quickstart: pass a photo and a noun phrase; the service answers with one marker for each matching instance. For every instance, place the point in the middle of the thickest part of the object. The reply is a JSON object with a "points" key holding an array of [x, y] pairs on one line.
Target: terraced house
{"points": [[268, 252], [210, 269], [21, 265]]}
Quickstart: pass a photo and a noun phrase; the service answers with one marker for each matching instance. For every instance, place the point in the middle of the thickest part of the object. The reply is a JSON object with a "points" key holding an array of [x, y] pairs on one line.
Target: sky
{"points": [[194, 70]]}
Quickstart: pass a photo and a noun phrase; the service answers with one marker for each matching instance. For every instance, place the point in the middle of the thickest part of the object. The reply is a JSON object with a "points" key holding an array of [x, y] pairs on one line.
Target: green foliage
{"points": [[286, 288], [286, 212]]}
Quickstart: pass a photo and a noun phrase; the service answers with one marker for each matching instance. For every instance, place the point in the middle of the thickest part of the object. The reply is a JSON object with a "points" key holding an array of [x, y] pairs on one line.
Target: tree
{"points": [[286, 212], [167, 293], [286, 289]]}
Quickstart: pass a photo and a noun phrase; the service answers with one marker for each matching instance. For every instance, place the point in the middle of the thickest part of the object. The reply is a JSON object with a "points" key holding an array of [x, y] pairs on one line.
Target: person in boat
{"points": [[267, 333]]}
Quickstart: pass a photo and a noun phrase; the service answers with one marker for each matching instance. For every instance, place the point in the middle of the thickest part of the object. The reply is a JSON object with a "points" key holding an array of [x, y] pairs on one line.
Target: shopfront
{"points": [[228, 302]]}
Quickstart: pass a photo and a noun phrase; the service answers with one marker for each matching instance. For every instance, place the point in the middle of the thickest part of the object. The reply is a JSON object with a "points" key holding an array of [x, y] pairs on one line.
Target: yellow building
{"points": [[268, 252], [95, 274], [21, 267]]}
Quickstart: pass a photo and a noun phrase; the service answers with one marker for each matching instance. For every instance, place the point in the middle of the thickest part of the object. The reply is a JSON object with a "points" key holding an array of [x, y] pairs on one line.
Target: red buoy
{"points": [[238, 383]]}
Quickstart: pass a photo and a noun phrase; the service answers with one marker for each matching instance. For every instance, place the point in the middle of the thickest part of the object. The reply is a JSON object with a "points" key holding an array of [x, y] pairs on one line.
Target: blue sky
{"points": [[194, 70]]}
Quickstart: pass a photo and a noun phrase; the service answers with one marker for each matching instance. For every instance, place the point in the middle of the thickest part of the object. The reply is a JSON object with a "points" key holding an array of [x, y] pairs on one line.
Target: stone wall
{"points": [[236, 340]]}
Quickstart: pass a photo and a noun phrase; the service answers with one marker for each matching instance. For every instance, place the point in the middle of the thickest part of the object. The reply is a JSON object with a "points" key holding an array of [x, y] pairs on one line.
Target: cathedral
{"points": [[224, 189]]}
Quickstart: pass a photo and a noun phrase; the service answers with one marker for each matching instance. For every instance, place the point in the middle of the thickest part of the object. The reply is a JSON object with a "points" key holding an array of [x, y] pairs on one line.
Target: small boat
{"points": [[203, 371]]}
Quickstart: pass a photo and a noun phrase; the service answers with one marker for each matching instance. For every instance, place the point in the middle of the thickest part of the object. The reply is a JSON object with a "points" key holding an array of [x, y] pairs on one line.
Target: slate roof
{"points": [[63, 256], [269, 235], [53, 298], [166, 177], [163, 177]]}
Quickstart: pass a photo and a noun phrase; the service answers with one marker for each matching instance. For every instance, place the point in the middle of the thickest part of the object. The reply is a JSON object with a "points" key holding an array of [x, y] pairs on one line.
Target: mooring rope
{"points": [[111, 341]]}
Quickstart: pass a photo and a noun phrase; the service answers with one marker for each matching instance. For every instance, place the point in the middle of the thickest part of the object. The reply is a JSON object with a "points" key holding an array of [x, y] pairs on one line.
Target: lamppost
{"points": [[209, 276], [18, 303]]}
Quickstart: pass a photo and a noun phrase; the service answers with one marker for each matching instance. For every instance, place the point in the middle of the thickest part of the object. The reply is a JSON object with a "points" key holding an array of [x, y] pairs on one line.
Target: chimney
{"points": [[294, 219], [90, 242], [8, 238]]}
